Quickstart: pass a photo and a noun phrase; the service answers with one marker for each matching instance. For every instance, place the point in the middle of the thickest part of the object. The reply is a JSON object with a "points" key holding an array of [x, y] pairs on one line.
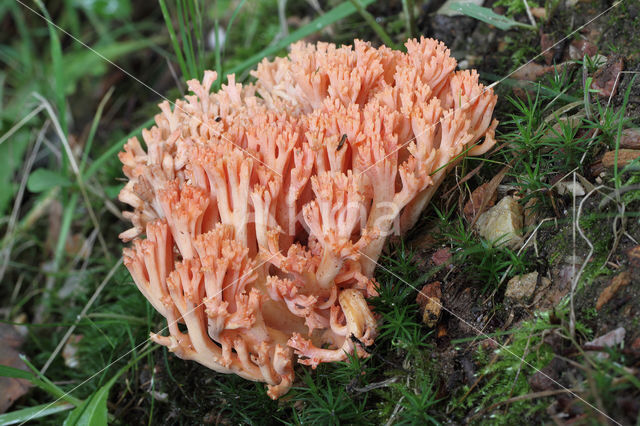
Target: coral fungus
{"points": [[265, 206]]}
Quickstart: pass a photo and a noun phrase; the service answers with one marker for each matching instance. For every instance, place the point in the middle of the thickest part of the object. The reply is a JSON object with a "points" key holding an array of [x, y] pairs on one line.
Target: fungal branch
{"points": [[258, 211]]}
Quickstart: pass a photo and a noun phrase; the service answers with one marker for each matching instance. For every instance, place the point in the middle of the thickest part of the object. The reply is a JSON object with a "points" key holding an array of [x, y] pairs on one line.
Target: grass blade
{"points": [[377, 28], [28, 414], [174, 39], [339, 12], [487, 16]]}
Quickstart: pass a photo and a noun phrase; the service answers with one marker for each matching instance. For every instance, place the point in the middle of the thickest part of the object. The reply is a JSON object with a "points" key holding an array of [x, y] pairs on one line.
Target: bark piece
{"points": [[619, 281], [429, 301]]}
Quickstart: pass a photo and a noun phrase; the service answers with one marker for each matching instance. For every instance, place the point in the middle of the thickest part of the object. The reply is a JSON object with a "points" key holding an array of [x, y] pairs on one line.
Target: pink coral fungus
{"points": [[266, 206]]}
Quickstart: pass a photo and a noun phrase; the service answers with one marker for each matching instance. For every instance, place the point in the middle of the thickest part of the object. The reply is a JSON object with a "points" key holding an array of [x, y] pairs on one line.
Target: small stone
{"points": [[521, 287], [502, 224], [570, 188], [429, 300]]}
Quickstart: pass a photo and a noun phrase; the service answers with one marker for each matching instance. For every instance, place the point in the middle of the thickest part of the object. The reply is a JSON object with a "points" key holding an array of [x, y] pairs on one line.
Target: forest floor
{"points": [[559, 346]]}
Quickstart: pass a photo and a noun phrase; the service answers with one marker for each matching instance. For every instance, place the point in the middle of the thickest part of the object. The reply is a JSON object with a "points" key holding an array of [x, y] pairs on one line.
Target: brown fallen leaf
{"points": [[539, 12], [11, 389], [630, 139], [625, 156], [547, 44], [633, 254], [429, 301], [604, 80], [579, 48], [619, 281], [474, 206], [441, 256], [490, 190], [531, 71]]}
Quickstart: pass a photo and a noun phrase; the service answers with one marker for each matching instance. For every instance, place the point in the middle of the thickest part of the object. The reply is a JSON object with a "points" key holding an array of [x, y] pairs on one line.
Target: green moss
{"points": [[507, 376]]}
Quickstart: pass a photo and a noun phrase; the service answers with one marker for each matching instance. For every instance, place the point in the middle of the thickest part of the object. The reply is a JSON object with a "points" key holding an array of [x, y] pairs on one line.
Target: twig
{"points": [[529, 14], [21, 123], [76, 170], [395, 412], [574, 284], [6, 251]]}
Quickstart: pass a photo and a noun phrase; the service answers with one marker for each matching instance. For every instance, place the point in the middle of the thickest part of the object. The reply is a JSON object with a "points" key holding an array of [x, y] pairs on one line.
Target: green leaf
{"points": [[11, 157], [29, 414], [16, 373], [487, 15], [43, 179], [341, 11], [93, 411]]}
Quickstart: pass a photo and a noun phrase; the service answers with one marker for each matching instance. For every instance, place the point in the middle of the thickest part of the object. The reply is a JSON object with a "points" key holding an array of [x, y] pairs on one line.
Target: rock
{"points": [[429, 301], [520, 288], [604, 80], [619, 281], [502, 224], [574, 189]]}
